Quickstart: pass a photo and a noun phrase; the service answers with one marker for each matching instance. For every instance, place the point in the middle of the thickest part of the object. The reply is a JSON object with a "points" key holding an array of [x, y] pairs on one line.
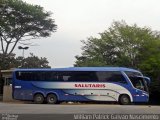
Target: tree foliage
{"points": [[118, 44], [124, 45], [20, 22], [7, 61], [31, 61]]}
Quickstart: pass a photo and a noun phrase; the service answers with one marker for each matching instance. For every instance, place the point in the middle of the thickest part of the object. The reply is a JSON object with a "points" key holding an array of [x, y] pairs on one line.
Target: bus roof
{"points": [[82, 69]]}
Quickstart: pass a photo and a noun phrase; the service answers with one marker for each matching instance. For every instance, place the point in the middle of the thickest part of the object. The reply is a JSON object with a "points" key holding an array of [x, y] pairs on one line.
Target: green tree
{"points": [[120, 45], [150, 64], [9, 61], [125, 45], [20, 22], [32, 62]]}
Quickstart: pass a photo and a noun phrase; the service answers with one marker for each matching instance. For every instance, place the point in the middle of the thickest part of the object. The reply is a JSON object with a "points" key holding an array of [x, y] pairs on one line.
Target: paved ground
{"points": [[29, 108]]}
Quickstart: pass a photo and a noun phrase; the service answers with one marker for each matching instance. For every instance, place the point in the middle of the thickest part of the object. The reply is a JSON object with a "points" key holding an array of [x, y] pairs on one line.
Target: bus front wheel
{"points": [[38, 98], [124, 100], [52, 99]]}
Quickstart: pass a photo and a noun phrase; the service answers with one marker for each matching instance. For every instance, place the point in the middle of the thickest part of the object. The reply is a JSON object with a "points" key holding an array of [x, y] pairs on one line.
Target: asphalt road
{"points": [[29, 108]]}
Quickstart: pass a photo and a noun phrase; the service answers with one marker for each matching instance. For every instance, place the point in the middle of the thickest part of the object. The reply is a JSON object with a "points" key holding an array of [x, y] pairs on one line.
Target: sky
{"points": [[80, 19]]}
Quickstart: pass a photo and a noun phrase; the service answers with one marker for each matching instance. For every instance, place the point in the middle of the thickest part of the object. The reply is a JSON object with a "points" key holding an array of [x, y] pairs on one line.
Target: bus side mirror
{"points": [[148, 80]]}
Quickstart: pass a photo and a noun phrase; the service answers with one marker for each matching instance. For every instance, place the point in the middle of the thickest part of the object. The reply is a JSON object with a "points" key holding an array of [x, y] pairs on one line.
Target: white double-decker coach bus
{"points": [[119, 84]]}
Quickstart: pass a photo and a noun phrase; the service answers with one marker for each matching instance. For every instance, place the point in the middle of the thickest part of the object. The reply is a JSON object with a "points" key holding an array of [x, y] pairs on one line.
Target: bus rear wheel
{"points": [[124, 100], [52, 99], [38, 99]]}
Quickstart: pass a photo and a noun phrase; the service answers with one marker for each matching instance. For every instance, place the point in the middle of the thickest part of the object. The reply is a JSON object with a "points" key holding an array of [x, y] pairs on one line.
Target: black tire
{"points": [[52, 99], [38, 99], [124, 100]]}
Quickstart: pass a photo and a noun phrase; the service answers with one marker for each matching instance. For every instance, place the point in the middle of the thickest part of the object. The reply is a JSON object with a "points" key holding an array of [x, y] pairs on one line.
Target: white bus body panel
{"points": [[91, 90]]}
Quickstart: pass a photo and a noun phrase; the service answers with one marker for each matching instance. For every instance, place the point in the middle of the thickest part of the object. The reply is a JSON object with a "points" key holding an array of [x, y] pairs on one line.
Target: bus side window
{"points": [[51, 76], [111, 76], [86, 76], [117, 78], [81, 76], [60, 78]]}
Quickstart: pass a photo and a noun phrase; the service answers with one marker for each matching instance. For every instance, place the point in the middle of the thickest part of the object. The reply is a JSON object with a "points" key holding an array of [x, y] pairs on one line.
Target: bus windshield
{"points": [[138, 81]]}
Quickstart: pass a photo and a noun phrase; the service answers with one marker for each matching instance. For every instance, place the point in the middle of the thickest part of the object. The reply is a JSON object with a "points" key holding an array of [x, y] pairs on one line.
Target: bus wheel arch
{"points": [[124, 99], [38, 98], [52, 98]]}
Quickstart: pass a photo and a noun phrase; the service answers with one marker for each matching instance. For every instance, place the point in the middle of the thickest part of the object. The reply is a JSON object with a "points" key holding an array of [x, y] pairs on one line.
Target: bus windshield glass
{"points": [[138, 82]]}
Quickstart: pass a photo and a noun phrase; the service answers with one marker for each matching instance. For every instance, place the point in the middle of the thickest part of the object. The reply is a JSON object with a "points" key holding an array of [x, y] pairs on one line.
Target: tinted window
{"points": [[132, 74], [139, 83], [77, 76], [71, 76], [56, 76], [111, 76], [36, 76]]}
